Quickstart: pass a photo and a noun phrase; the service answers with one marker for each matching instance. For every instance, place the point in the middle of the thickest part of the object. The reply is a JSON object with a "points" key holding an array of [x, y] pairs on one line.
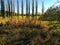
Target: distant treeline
{"points": [[9, 9], [52, 13]]}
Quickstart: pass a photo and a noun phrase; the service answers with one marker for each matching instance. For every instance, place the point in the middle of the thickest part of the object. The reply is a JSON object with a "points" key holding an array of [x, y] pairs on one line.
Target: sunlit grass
{"points": [[19, 19], [15, 18], [16, 34]]}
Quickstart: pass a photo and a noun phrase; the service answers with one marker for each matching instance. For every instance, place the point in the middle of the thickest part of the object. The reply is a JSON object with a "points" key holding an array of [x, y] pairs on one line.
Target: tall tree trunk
{"points": [[36, 7], [29, 7], [18, 7], [2, 9], [22, 7], [7, 10], [27, 12], [42, 7], [13, 7], [32, 8], [9, 7]]}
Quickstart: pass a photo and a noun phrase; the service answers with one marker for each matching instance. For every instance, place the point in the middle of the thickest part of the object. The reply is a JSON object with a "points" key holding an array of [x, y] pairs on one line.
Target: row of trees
{"points": [[11, 7]]}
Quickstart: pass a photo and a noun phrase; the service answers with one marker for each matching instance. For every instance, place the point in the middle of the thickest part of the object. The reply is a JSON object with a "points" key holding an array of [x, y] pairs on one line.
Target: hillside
{"points": [[29, 32]]}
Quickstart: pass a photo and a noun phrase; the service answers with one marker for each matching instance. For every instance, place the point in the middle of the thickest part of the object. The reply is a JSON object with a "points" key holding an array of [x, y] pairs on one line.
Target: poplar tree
{"points": [[32, 8], [36, 8], [27, 12], [18, 7], [42, 7], [2, 9], [22, 7]]}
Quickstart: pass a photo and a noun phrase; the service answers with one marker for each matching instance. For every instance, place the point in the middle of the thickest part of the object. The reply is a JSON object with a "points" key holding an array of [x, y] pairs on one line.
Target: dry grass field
{"points": [[28, 31]]}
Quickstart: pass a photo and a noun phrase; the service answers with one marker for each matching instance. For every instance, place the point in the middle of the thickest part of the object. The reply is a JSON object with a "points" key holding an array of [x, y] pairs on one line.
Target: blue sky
{"points": [[47, 4]]}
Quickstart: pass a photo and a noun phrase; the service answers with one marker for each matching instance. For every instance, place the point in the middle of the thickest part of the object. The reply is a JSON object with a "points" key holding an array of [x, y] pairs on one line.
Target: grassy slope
{"points": [[14, 35]]}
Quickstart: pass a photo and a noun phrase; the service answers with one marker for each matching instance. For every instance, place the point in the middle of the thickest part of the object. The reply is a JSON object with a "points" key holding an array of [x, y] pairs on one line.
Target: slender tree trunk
{"points": [[18, 7], [22, 7], [2, 9], [13, 8], [27, 12], [42, 7], [36, 7], [29, 7], [6, 10], [32, 8], [9, 8]]}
